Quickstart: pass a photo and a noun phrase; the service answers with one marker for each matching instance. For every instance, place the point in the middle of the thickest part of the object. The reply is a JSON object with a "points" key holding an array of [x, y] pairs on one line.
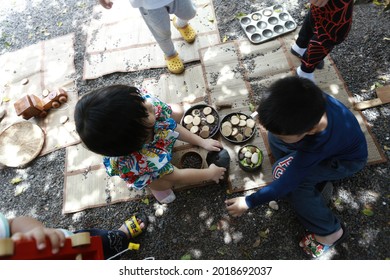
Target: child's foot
{"points": [[299, 52], [187, 32], [303, 74], [135, 225], [315, 246], [175, 64]]}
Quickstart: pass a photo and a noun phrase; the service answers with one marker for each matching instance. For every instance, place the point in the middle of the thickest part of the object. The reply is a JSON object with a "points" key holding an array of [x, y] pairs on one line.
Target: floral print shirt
{"points": [[153, 161]]}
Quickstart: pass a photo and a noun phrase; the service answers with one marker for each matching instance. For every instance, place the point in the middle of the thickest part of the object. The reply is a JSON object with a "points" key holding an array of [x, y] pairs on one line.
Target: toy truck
{"points": [[32, 106]]}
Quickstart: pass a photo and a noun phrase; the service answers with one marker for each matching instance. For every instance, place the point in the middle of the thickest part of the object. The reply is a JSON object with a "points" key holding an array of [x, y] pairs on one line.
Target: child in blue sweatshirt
{"points": [[314, 139]]}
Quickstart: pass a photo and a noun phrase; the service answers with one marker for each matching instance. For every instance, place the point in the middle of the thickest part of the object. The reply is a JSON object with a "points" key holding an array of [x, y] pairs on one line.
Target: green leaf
{"points": [[213, 227], [251, 107], [186, 257], [264, 234], [145, 201], [59, 24], [16, 180], [337, 201], [240, 14], [368, 212]]}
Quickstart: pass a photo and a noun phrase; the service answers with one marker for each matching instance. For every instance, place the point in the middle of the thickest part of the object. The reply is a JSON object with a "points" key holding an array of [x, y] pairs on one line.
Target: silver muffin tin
{"points": [[267, 24]]}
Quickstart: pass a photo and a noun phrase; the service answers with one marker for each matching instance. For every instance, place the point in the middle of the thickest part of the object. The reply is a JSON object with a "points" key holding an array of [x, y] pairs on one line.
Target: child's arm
{"points": [[208, 144], [27, 228], [188, 176], [106, 3]]}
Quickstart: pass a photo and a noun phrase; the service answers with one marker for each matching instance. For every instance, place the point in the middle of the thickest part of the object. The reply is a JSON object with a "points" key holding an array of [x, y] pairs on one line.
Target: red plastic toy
{"points": [[78, 246]]}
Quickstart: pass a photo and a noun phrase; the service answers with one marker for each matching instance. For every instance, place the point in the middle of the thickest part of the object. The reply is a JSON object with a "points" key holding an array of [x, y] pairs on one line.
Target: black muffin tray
{"points": [[268, 23]]}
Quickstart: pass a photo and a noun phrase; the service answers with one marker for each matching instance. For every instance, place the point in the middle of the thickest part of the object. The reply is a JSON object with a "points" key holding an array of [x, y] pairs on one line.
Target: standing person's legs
{"points": [[310, 49], [185, 10], [159, 24], [323, 28]]}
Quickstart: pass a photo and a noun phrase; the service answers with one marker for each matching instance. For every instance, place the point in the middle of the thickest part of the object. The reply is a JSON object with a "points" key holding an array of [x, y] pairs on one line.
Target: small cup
{"points": [[246, 157], [191, 159]]}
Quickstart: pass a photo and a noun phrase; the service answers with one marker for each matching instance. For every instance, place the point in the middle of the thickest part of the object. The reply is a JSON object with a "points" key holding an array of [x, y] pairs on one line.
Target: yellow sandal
{"points": [[175, 64], [187, 32]]}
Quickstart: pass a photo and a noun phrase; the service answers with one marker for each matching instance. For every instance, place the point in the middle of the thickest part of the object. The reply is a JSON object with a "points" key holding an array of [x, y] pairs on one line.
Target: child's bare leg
{"points": [[162, 190], [161, 184], [177, 112]]}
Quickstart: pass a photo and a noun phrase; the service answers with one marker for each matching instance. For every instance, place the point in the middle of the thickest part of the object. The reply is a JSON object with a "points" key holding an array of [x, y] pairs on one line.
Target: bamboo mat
{"points": [[118, 40], [222, 77], [46, 65]]}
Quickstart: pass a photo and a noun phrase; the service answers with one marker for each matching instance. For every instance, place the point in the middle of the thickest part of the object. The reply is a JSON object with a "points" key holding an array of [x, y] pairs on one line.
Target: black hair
{"points": [[110, 120], [291, 106]]}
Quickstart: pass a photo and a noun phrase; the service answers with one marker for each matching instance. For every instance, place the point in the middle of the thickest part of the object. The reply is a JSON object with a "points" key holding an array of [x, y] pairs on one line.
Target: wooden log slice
{"points": [[20, 143]]}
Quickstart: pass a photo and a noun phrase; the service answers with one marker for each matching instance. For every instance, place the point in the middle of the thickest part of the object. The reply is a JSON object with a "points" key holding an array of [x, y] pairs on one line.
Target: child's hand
{"points": [[57, 237], [217, 172], [211, 145], [236, 206], [106, 3]]}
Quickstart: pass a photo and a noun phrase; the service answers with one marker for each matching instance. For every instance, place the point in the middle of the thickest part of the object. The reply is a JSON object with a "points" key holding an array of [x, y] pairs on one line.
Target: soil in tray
{"points": [[191, 160]]}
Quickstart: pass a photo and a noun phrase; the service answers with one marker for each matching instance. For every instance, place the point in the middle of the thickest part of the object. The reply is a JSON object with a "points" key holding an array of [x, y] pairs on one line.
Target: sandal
{"points": [[187, 32], [133, 226], [315, 249], [175, 64]]}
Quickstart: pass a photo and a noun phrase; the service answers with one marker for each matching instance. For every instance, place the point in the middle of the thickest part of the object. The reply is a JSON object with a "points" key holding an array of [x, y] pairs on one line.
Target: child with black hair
{"points": [[326, 25], [314, 139], [136, 132]]}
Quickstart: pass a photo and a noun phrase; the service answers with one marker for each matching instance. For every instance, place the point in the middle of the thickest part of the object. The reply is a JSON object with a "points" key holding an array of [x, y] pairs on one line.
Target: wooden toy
{"points": [[54, 99], [78, 246], [32, 106], [29, 106]]}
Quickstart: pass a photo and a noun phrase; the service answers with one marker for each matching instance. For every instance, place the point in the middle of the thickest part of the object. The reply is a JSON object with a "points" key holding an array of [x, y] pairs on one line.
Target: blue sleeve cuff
{"points": [[249, 202], [5, 231]]}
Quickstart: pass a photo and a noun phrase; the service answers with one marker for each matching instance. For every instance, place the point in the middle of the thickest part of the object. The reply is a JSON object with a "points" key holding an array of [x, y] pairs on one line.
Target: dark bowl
{"points": [[213, 127], [237, 129], [221, 158], [191, 159], [245, 161]]}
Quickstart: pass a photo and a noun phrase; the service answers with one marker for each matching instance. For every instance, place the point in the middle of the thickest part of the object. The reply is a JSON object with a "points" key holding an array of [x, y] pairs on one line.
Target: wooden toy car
{"points": [[54, 99], [29, 106], [32, 106]]}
